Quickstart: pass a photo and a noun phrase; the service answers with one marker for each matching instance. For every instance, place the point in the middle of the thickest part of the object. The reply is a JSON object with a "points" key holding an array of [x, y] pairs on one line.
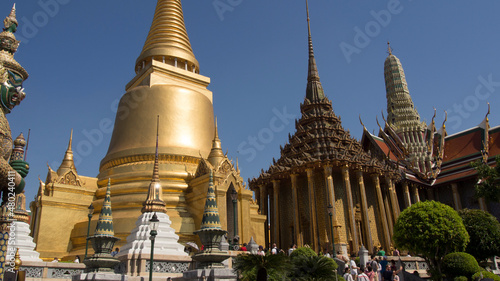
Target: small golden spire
{"points": [[154, 202], [216, 155], [168, 36], [389, 49], [67, 163]]}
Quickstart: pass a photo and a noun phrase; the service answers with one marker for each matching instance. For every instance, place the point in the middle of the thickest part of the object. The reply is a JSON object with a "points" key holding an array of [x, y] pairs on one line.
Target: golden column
{"points": [[388, 212], [295, 208], [276, 213], [264, 210], [393, 198], [331, 196], [482, 204], [456, 197], [381, 209], [416, 197], [430, 193], [364, 210], [257, 198], [350, 208], [312, 209], [407, 197]]}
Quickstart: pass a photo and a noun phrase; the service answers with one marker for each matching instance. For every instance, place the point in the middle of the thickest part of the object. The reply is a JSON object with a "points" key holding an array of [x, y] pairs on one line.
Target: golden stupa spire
{"points": [[314, 90], [67, 163], [389, 49], [216, 155], [154, 202], [168, 38]]}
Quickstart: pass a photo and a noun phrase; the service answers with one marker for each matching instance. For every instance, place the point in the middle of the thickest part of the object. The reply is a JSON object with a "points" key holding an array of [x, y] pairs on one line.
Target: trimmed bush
{"points": [[485, 274], [303, 251], [484, 231], [459, 264]]}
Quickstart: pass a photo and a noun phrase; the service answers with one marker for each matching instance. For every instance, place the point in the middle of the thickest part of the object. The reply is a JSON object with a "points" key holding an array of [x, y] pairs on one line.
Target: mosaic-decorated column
{"points": [[350, 208], [381, 209], [388, 212], [331, 196], [393, 198], [456, 197], [416, 197], [312, 210], [364, 210], [295, 207], [264, 210], [407, 197], [482, 204], [276, 213]]}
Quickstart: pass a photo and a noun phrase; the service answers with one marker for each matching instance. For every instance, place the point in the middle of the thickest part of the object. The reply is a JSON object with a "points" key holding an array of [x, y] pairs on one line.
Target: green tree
{"points": [[459, 264], [303, 251], [484, 232], [431, 230], [273, 266], [313, 268], [488, 185]]}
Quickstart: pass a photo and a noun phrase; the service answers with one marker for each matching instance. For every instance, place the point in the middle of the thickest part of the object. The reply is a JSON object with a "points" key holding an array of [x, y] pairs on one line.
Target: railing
{"points": [[52, 270]]}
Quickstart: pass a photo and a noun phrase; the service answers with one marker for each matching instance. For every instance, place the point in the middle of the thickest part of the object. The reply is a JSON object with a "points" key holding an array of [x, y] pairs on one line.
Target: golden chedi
{"points": [[167, 84]]}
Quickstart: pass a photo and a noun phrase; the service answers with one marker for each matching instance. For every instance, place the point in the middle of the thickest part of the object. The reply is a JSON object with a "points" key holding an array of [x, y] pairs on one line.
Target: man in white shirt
{"points": [[274, 251], [354, 267]]}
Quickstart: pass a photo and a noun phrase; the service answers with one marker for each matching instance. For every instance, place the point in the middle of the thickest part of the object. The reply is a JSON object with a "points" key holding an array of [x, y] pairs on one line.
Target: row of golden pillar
{"points": [[388, 208]]}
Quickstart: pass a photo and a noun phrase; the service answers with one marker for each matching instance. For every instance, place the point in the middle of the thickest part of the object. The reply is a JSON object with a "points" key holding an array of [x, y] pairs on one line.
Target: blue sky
{"points": [[81, 54]]}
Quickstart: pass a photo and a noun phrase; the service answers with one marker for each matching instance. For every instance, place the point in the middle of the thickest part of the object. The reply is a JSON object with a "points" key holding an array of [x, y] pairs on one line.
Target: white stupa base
{"points": [[20, 238], [166, 241]]}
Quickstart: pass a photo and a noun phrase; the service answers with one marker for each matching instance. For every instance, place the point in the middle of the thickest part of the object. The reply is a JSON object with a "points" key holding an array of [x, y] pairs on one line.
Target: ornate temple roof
{"points": [[168, 36], [319, 136]]}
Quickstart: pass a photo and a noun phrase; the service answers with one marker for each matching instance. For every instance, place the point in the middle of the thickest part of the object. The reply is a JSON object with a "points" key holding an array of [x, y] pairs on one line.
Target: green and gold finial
{"points": [[211, 218], [105, 223]]}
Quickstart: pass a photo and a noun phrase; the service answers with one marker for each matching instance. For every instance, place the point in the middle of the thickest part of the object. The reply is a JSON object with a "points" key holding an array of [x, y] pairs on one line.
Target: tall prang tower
{"points": [[403, 119]]}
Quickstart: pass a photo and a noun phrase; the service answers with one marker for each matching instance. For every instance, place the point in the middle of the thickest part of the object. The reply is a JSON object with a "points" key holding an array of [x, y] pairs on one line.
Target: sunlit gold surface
{"points": [[168, 36]]}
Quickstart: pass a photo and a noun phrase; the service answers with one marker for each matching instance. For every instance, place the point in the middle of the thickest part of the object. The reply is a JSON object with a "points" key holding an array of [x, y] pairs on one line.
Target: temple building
{"points": [[322, 166], [433, 164], [352, 192], [167, 84]]}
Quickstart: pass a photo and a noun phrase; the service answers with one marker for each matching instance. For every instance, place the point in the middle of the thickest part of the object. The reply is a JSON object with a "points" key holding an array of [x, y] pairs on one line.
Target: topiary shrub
{"points": [[485, 274], [459, 264], [461, 278], [303, 251]]}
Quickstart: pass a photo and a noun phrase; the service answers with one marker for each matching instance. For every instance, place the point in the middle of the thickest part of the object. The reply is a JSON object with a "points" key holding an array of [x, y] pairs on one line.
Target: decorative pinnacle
{"points": [[211, 219], [154, 202], [168, 36], [216, 155], [314, 90], [11, 18], [104, 225], [389, 49], [67, 163]]}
